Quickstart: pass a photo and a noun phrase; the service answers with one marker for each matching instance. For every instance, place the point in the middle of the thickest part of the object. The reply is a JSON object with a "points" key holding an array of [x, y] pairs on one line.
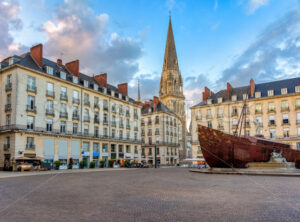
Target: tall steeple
{"points": [[139, 92], [170, 59]]}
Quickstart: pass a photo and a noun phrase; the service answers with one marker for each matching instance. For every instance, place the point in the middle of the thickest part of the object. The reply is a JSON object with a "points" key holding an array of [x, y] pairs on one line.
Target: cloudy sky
{"points": [[217, 40]]}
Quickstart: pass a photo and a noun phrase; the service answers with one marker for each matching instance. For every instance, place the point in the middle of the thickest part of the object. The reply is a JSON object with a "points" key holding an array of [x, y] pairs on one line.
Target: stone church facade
{"points": [[171, 86]]}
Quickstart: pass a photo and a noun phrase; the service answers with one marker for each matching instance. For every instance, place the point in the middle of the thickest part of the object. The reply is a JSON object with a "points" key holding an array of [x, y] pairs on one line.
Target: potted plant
{"points": [[111, 163], [102, 163], [92, 164], [82, 164], [70, 165], [57, 163]]}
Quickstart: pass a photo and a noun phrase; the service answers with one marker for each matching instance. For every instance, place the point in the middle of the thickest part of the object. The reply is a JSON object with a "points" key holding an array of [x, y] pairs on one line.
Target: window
{"points": [[113, 133], [209, 101], [104, 131], [96, 101], [272, 133], [75, 94], [257, 108], [121, 148], [30, 122], [75, 79], [297, 89], [199, 150], [271, 120], [209, 124], [219, 112], [298, 146], [86, 147], [298, 131], [285, 118], [75, 128], [96, 87], [86, 130], [258, 120], [271, 107], [283, 91], [50, 87], [9, 79], [63, 126], [8, 119], [121, 109], [105, 106], [8, 99], [128, 150], [127, 135], [85, 83], [49, 123], [105, 118], [286, 133], [208, 113], [63, 92], [96, 131], [284, 105], [270, 92], [30, 102], [30, 143], [234, 111], [297, 103], [220, 100], [63, 75], [104, 147], [75, 111], [31, 83], [257, 94], [11, 61], [136, 150], [121, 134], [220, 124], [245, 96], [63, 108], [298, 118], [49, 107], [234, 122], [135, 136], [233, 97], [49, 70], [86, 115]]}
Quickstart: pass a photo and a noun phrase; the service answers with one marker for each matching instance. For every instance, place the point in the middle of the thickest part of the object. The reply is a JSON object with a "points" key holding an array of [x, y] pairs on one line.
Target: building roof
{"points": [[159, 107], [263, 88], [27, 61]]}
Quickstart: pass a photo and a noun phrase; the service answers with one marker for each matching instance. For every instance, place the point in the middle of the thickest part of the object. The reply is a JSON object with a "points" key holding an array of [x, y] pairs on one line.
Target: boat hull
{"points": [[224, 150]]}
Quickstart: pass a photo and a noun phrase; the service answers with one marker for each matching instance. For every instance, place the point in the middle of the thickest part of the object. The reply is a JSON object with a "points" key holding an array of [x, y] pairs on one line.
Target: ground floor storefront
{"points": [[69, 152], [165, 155]]}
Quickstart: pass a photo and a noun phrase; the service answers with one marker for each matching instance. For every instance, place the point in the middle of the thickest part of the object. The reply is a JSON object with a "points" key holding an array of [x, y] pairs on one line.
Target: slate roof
{"points": [[160, 107], [27, 61], [263, 88]]}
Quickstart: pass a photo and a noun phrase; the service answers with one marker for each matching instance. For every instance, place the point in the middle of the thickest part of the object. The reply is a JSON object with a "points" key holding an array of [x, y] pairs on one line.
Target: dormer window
{"points": [[85, 83], [233, 97], [297, 89], [245, 96], [283, 91], [49, 70], [96, 87], [209, 101], [75, 79], [270, 92], [63, 75], [257, 94], [11, 61], [220, 100]]}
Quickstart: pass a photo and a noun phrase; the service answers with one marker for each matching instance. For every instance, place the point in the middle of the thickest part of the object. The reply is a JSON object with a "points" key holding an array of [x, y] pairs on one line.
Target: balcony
{"points": [[63, 96], [271, 110], [143, 123], [113, 124], [285, 122], [121, 125], [7, 107], [6, 146], [285, 109], [113, 109], [127, 126], [63, 115], [234, 126], [234, 113], [31, 108], [96, 120], [8, 86], [156, 121], [208, 116], [30, 146], [76, 100], [31, 88], [220, 127], [121, 112], [135, 116], [50, 112], [87, 103], [50, 93], [75, 116], [272, 123], [156, 132], [136, 128], [258, 111], [105, 108], [127, 114], [105, 122], [143, 134], [220, 115], [96, 106], [198, 117], [149, 123], [86, 119]]}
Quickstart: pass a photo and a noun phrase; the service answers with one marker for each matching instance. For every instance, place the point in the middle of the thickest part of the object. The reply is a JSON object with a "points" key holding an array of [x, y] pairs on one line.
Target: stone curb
{"points": [[252, 173]]}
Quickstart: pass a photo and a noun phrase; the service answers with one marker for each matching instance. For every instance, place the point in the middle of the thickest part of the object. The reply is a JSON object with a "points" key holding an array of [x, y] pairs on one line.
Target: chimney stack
{"points": [[229, 90], [73, 67], [101, 79], [206, 94], [155, 101], [252, 87], [123, 88], [59, 63], [36, 53]]}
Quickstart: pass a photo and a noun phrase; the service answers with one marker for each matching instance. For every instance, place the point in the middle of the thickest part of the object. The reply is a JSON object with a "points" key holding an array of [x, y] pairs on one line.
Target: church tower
{"points": [[171, 84]]}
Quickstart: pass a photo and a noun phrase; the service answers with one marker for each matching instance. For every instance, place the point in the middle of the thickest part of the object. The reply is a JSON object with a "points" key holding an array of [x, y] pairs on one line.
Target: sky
{"points": [[217, 41]]}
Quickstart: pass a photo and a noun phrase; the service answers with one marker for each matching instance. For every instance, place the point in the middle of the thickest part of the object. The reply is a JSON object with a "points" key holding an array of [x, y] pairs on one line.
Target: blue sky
{"points": [[126, 38]]}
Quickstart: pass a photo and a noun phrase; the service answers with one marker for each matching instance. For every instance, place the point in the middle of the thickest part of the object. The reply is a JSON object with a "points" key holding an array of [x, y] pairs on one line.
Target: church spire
{"points": [[139, 92], [170, 59]]}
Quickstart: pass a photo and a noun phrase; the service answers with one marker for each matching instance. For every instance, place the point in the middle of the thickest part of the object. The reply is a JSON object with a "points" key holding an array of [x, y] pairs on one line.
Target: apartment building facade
{"points": [[161, 129], [53, 111], [273, 111]]}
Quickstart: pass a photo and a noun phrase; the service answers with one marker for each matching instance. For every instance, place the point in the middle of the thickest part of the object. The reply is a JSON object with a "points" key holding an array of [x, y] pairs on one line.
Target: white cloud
{"points": [[253, 5]]}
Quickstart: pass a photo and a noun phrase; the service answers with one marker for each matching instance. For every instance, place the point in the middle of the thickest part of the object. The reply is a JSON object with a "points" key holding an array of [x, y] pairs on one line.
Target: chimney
{"points": [[123, 88], [36, 53], [206, 94], [59, 63], [101, 79], [252, 87], [73, 67], [229, 90], [155, 101]]}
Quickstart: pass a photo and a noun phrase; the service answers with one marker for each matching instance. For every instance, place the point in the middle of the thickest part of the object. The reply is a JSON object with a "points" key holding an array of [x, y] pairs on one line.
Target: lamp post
{"points": [[155, 153]]}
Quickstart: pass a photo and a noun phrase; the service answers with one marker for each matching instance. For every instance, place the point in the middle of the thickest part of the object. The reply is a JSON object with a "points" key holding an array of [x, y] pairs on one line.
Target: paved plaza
{"points": [[170, 194]]}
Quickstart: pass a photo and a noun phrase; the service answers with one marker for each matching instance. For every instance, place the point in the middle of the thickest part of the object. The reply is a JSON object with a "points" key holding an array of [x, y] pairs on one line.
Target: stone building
{"points": [[161, 128], [171, 86], [56, 112], [273, 110]]}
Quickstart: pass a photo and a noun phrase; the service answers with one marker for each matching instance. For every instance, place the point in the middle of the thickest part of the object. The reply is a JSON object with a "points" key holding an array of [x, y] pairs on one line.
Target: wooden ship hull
{"points": [[222, 150]]}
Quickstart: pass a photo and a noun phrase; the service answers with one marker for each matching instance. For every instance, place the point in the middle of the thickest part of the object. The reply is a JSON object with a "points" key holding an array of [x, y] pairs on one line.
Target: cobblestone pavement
{"points": [[170, 194]]}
